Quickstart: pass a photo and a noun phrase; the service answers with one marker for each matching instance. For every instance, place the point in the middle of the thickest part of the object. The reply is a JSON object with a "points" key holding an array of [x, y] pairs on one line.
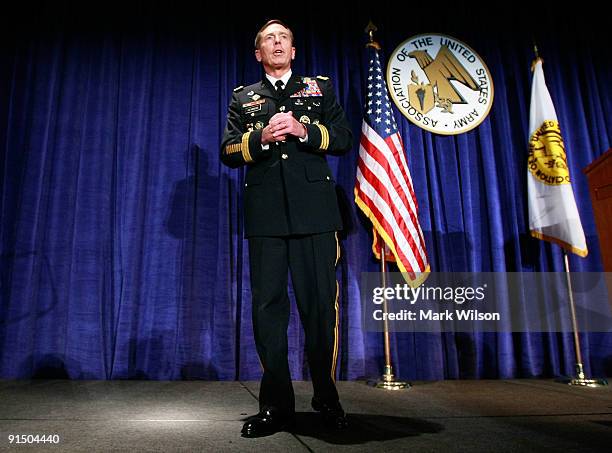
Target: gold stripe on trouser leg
{"points": [[335, 355]]}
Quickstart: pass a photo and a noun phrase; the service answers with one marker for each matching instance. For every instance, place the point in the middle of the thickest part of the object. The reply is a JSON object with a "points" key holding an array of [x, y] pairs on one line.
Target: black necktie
{"points": [[279, 88]]}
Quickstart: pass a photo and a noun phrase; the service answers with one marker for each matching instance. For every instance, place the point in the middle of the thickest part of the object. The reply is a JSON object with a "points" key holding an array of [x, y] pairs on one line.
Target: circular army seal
{"points": [[547, 158], [440, 84]]}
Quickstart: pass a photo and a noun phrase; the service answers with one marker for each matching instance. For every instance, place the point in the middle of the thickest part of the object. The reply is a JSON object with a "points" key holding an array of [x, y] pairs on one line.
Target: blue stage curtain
{"points": [[121, 241]]}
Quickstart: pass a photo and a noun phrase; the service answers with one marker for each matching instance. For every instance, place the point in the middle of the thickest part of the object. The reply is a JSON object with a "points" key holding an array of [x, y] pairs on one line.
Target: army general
{"points": [[282, 128]]}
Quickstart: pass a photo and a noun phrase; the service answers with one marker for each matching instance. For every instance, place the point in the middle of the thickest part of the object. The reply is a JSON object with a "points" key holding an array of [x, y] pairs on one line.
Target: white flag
{"points": [[553, 215]]}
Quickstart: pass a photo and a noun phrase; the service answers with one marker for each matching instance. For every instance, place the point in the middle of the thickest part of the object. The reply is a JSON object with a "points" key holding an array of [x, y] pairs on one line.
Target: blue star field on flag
{"points": [[378, 113]]}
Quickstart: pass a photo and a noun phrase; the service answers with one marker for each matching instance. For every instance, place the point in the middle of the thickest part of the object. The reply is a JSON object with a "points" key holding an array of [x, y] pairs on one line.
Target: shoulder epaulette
{"points": [[237, 89], [322, 77]]}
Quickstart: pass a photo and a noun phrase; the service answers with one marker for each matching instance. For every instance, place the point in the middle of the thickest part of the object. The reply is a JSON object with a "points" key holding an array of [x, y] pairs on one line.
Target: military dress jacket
{"points": [[289, 188]]}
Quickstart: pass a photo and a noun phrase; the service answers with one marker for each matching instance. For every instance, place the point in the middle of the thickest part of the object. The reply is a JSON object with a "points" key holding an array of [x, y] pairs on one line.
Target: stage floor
{"points": [[443, 416]]}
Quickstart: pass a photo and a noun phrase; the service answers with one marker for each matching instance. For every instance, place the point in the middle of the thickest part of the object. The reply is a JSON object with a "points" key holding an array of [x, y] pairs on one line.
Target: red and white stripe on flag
{"points": [[384, 192]]}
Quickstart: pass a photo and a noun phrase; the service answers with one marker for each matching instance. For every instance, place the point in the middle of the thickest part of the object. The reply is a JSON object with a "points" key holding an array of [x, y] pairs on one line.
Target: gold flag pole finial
{"points": [[370, 29], [537, 56]]}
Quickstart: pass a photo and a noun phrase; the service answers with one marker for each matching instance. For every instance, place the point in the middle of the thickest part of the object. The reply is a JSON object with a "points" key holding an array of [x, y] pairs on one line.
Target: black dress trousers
{"points": [[311, 260]]}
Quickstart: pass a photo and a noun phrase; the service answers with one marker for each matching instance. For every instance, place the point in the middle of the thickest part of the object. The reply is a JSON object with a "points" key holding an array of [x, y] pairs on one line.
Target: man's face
{"points": [[275, 50]]}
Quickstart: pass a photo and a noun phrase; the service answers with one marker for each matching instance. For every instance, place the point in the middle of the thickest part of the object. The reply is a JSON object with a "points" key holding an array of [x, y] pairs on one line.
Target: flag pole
{"points": [[387, 382], [580, 379]]}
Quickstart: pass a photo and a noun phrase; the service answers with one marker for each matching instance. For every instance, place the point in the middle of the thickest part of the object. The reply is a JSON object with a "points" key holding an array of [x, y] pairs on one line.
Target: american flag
{"points": [[383, 189]]}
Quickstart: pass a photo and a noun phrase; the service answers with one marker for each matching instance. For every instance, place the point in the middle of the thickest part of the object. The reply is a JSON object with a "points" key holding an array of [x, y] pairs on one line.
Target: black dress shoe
{"points": [[266, 423], [332, 413]]}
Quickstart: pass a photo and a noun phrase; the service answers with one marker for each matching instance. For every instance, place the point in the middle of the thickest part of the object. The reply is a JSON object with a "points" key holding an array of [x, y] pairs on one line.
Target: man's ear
{"points": [[258, 55], [293, 53]]}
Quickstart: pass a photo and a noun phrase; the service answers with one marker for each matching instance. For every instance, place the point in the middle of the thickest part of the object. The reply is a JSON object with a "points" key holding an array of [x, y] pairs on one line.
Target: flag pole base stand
{"points": [[582, 380], [388, 383]]}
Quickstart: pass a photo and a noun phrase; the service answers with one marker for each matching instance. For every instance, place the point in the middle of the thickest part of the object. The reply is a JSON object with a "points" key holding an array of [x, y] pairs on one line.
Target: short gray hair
{"points": [[266, 25]]}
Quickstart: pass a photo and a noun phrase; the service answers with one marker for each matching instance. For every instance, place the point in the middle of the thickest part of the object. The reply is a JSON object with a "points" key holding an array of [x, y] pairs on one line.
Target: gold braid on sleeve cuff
{"points": [[324, 137], [246, 155], [233, 148]]}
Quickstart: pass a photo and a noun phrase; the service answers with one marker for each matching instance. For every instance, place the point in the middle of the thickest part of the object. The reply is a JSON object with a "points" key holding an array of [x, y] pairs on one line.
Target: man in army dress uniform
{"points": [[282, 128]]}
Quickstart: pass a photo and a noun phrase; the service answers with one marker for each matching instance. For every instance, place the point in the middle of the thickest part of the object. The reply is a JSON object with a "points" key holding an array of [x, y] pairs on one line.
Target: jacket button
{"points": [[327, 177], [246, 185], [284, 156]]}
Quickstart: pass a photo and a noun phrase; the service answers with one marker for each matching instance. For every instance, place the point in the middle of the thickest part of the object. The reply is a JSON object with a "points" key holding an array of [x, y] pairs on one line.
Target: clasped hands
{"points": [[280, 126]]}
